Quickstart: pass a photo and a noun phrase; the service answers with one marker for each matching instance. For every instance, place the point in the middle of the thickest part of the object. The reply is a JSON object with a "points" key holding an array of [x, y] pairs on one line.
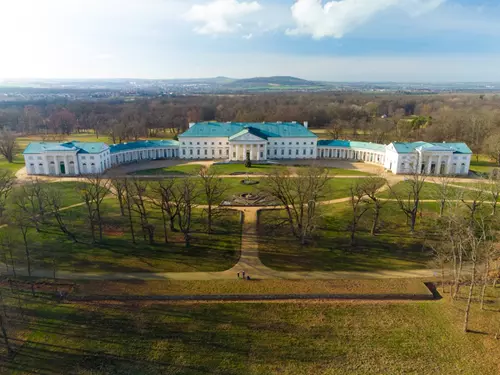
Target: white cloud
{"points": [[220, 16], [338, 17], [248, 36]]}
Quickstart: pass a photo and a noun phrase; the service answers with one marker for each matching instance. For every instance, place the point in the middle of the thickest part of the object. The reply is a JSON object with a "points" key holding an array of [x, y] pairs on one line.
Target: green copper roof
{"points": [[142, 144], [352, 144], [408, 147], [79, 147], [267, 129], [249, 130]]}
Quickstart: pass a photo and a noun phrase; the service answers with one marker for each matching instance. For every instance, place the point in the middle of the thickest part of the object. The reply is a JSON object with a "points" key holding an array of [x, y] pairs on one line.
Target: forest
{"points": [[381, 118]]}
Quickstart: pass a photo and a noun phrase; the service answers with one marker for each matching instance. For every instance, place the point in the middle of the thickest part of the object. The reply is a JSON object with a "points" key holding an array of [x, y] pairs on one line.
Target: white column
{"points": [[258, 152], [77, 166], [429, 162], [245, 152], [438, 169], [57, 165], [45, 165], [449, 164]]}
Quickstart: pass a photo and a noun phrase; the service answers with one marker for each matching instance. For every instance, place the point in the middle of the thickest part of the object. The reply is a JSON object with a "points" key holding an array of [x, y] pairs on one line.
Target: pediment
{"points": [[247, 137]]}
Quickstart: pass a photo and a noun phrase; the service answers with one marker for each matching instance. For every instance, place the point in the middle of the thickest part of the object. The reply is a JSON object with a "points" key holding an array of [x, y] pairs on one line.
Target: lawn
{"points": [[255, 287], [238, 169], [216, 252], [429, 191], [252, 338], [484, 165], [394, 248]]}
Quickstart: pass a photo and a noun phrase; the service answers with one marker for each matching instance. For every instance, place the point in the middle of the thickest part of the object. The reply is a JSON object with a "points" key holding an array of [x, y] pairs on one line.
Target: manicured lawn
{"points": [[117, 253], [484, 165], [429, 191], [394, 248], [237, 169], [12, 167], [258, 287], [181, 169], [253, 338]]}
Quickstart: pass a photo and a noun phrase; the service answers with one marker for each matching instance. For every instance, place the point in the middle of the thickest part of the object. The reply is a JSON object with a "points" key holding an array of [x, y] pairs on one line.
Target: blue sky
{"points": [[339, 40]]}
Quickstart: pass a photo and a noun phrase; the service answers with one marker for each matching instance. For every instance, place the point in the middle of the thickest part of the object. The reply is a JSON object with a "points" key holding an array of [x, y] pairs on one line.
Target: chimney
{"points": [[191, 125], [306, 124]]}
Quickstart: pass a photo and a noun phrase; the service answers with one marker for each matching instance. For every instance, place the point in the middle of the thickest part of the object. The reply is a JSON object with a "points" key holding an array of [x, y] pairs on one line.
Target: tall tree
{"points": [[6, 183], [139, 198], [408, 198], [93, 192], [371, 188], [214, 188], [53, 202], [358, 209], [8, 145], [299, 196], [187, 192]]}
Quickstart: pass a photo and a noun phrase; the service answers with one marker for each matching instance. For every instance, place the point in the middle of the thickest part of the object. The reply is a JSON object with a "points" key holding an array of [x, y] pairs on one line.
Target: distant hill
{"points": [[275, 82]]}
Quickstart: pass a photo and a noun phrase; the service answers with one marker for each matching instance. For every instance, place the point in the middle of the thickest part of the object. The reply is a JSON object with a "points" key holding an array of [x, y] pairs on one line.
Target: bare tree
{"points": [[93, 192], [54, 206], [443, 191], [185, 197], [118, 188], [477, 238], [474, 200], [298, 196], [31, 199], [214, 188], [494, 190], [23, 223], [409, 198], [371, 188], [358, 209], [6, 182], [167, 191], [128, 195], [7, 246], [139, 199], [8, 145]]}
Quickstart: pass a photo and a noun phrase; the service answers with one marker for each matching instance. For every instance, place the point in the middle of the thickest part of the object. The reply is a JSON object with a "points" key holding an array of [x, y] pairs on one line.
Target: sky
{"points": [[331, 40]]}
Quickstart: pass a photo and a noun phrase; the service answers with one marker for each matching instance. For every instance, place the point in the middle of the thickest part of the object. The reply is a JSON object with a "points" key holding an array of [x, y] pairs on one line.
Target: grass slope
{"points": [[252, 338]]}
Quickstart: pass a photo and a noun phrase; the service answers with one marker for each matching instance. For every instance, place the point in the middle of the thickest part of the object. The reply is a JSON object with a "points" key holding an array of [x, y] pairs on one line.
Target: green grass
{"points": [[394, 248], [484, 165], [253, 338], [429, 191], [117, 253], [257, 287], [236, 169]]}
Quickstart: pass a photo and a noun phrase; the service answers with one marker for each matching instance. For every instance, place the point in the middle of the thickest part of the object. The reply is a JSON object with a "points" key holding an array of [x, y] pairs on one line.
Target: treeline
{"points": [[379, 118]]}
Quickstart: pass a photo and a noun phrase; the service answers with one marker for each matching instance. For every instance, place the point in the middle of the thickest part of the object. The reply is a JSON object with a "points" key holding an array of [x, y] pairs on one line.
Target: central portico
{"points": [[248, 141]]}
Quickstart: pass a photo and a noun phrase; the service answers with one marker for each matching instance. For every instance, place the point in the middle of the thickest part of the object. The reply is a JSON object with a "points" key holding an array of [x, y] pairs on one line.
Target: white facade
{"points": [[234, 141], [67, 163]]}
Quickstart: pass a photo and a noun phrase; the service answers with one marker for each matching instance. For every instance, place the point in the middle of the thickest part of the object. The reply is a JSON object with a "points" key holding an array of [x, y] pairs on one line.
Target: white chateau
{"points": [[230, 141]]}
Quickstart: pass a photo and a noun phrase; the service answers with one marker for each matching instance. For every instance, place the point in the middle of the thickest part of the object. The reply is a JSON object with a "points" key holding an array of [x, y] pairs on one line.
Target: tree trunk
{"points": [[5, 337], [413, 221], [353, 233], [164, 217], [120, 201], [441, 207], [209, 217], [131, 222], [375, 221], [485, 283], [469, 298]]}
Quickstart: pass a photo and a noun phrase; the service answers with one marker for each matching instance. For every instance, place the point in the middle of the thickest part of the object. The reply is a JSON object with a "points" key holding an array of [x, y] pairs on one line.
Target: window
{"points": [[190, 152], [304, 151], [213, 152], [205, 152], [227, 143], [289, 143], [183, 143], [261, 146], [261, 154], [220, 143], [275, 143], [297, 152], [39, 158], [40, 165], [298, 143], [197, 143], [91, 158], [282, 143], [267, 152], [213, 143], [305, 143], [227, 152], [198, 152], [183, 152], [205, 143], [190, 143], [275, 152], [289, 152], [220, 152], [234, 154], [282, 152], [30, 158], [402, 165], [312, 151]]}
